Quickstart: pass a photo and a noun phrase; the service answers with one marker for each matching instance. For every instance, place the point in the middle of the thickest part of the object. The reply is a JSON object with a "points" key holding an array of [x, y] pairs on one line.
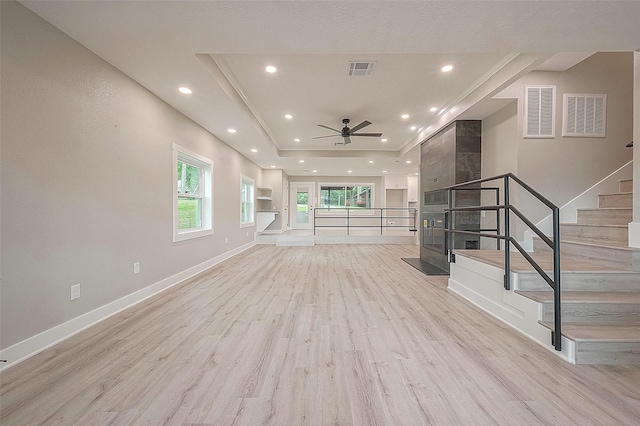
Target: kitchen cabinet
{"points": [[395, 182]]}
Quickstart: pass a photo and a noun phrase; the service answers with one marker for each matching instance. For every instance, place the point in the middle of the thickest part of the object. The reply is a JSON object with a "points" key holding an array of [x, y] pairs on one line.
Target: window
{"points": [[341, 196], [247, 188], [192, 194]]}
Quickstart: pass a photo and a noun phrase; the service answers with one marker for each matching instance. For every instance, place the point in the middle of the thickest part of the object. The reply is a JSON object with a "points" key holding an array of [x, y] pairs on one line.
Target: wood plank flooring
{"points": [[323, 335]]}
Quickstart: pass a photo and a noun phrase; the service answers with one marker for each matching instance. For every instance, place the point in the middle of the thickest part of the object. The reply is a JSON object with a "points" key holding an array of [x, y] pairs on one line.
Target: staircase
{"points": [[601, 235], [601, 285]]}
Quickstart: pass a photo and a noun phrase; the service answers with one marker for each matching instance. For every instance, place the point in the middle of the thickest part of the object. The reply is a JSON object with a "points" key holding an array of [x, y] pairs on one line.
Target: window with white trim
{"points": [[192, 194], [350, 196], [247, 191]]}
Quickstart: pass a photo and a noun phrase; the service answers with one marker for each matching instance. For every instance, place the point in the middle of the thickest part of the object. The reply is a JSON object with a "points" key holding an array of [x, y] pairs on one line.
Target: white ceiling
{"points": [[220, 49]]}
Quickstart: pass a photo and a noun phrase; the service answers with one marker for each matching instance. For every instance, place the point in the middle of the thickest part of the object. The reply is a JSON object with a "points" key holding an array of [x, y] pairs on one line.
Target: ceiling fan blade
{"points": [[347, 140], [330, 136], [365, 123], [375, 135], [327, 127]]}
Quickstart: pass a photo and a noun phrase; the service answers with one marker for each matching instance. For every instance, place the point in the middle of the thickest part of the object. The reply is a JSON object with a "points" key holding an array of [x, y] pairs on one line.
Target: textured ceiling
{"points": [[161, 44]]}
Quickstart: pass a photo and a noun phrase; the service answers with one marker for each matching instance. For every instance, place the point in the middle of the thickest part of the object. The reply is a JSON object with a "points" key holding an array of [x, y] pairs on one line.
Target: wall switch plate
{"points": [[136, 268], [226, 240], [75, 291], [247, 233]]}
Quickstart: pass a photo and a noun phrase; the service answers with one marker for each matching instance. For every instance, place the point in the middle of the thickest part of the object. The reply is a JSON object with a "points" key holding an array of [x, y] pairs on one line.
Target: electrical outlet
{"points": [[247, 233], [484, 214], [136, 268], [226, 240], [75, 291], [392, 223]]}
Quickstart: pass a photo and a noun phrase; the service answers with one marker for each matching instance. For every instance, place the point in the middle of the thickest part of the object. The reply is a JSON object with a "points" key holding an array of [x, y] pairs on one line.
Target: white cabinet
{"points": [[412, 189], [395, 182]]}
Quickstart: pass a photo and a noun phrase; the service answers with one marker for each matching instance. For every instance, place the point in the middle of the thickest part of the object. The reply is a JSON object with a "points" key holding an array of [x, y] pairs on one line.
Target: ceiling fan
{"points": [[346, 132]]}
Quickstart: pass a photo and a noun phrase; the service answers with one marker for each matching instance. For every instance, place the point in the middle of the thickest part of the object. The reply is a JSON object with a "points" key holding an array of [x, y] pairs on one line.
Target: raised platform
{"points": [[306, 238]]}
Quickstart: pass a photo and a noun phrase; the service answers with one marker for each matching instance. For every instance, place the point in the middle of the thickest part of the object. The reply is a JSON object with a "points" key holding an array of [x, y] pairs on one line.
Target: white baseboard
{"points": [[482, 285], [35, 344]]}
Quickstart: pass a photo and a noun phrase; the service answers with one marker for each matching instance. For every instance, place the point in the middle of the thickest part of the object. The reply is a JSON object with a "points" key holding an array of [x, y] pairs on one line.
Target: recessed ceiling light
{"points": [[404, 116], [231, 130], [185, 90], [288, 116], [370, 161], [254, 150], [315, 171], [408, 161], [273, 167], [447, 68], [296, 140], [348, 171], [383, 140], [302, 161], [271, 69], [417, 173], [384, 171], [413, 127], [433, 109]]}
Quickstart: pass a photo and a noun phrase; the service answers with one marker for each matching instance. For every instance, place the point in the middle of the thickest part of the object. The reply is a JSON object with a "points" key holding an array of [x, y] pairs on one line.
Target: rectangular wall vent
{"points": [[360, 68], [539, 111], [584, 115]]}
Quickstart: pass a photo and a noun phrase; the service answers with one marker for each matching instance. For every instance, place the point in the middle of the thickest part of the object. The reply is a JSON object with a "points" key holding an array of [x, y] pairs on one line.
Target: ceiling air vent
{"points": [[584, 115], [539, 111], [357, 68]]}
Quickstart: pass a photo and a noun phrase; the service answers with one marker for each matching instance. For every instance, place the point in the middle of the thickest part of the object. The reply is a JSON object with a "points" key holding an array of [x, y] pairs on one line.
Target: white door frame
{"points": [[308, 187], [286, 219]]}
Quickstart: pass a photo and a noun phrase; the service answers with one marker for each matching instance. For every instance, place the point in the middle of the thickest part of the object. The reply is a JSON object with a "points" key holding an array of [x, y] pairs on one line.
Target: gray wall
{"points": [[563, 167], [499, 156], [86, 181]]}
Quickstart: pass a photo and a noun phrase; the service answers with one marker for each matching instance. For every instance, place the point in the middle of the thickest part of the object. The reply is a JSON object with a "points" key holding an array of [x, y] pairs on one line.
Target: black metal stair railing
{"points": [[509, 240], [361, 217]]}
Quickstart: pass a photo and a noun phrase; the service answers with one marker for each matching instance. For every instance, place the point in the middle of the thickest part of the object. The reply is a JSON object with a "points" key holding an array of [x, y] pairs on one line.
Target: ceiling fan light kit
{"points": [[346, 132]]}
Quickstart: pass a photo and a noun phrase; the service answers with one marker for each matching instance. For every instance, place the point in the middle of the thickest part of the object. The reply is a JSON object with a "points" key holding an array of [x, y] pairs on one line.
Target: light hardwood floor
{"points": [[311, 335]]}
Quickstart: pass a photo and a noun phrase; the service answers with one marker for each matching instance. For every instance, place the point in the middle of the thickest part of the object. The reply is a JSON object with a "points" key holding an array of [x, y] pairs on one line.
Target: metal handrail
{"points": [[412, 227], [507, 207]]}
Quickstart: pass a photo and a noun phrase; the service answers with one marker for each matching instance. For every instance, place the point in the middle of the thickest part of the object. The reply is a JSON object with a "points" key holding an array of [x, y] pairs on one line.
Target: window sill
{"points": [[189, 235]]}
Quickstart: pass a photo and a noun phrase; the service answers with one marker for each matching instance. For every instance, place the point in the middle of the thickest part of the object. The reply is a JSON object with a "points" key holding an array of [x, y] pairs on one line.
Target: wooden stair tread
{"points": [[597, 332], [598, 209], [621, 297], [520, 264], [586, 225], [598, 243], [616, 193]]}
